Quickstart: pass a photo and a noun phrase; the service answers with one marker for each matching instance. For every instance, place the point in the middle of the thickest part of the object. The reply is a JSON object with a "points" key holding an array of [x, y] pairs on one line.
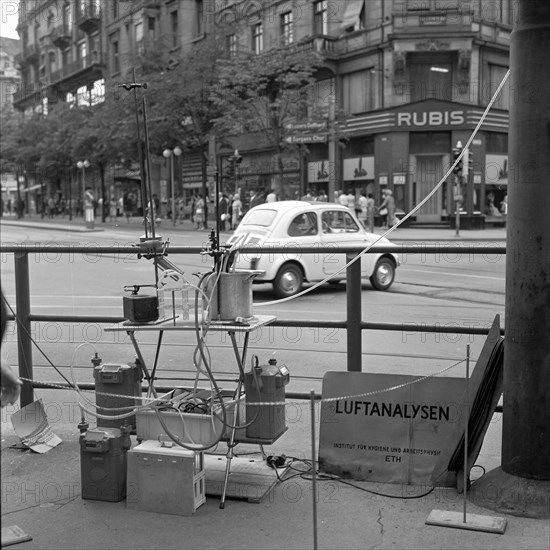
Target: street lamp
{"points": [[171, 153], [87, 196]]}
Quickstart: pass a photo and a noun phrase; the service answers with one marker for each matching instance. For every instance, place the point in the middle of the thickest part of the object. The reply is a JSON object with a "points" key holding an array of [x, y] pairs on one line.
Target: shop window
{"points": [[359, 92], [115, 57], [258, 38], [323, 90], [320, 20], [232, 44], [81, 50], [429, 143], [496, 143], [97, 93], [431, 76], [67, 15], [199, 14], [287, 28], [151, 28], [174, 28], [496, 75]]}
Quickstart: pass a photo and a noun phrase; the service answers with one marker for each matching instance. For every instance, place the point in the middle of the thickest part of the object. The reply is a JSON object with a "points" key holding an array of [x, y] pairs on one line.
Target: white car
{"points": [[295, 224]]}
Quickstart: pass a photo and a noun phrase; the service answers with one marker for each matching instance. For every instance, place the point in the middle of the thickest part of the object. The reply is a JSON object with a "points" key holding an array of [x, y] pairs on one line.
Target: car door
{"points": [[303, 230], [340, 229]]}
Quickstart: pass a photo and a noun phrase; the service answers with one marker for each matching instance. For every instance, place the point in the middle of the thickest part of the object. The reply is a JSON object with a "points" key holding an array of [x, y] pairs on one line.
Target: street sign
{"points": [[306, 126], [307, 138]]}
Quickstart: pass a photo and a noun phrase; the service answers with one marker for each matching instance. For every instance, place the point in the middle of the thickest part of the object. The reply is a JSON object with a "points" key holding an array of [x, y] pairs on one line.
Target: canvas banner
{"points": [[392, 436]]}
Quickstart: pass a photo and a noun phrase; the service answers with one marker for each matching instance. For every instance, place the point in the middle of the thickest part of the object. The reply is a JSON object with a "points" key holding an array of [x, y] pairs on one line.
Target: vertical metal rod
{"points": [[353, 297], [149, 186], [172, 188], [466, 415], [23, 323], [140, 156], [313, 469]]}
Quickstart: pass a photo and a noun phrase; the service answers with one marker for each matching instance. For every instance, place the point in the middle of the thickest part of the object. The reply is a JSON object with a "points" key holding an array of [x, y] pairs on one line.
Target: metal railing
{"points": [[354, 325]]}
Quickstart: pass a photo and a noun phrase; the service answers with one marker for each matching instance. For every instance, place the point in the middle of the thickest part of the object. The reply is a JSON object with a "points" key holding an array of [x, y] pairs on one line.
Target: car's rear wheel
{"points": [[289, 281], [384, 274]]}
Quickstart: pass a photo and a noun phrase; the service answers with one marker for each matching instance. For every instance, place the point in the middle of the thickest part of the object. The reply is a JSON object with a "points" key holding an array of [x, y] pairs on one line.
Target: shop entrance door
{"points": [[428, 172]]}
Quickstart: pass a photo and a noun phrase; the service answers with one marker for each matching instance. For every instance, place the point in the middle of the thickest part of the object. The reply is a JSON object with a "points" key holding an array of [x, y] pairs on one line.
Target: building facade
{"points": [[404, 81], [9, 73]]}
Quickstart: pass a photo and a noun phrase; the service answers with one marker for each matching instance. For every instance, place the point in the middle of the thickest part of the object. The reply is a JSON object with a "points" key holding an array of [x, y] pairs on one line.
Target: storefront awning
{"points": [[352, 13], [129, 175], [31, 188]]}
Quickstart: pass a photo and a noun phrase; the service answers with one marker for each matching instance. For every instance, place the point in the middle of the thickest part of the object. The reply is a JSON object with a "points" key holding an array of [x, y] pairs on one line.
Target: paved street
{"points": [[41, 491]]}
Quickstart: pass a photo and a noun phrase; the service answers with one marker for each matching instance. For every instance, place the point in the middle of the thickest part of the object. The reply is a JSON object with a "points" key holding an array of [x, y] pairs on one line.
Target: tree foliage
{"points": [[262, 93]]}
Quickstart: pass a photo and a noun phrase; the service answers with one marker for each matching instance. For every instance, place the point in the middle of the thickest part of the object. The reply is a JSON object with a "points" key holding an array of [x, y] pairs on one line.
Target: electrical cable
{"points": [[411, 212]]}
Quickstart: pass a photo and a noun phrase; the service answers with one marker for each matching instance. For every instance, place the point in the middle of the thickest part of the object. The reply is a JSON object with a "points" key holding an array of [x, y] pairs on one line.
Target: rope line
{"points": [[271, 403]]}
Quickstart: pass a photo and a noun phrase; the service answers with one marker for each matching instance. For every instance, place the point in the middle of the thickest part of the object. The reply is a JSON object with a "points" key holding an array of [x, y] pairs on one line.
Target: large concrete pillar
{"points": [[522, 485]]}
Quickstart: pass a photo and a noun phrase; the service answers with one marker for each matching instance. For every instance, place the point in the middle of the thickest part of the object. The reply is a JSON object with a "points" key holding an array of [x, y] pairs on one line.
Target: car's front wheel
{"points": [[384, 274], [288, 281]]}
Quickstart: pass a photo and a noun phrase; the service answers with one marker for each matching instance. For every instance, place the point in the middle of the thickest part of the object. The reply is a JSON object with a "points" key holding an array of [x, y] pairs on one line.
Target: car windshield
{"points": [[260, 216]]}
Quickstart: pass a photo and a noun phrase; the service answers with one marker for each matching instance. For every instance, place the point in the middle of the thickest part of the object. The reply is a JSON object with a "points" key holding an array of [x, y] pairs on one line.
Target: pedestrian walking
{"points": [[370, 212], [199, 215], [362, 203], [271, 197], [387, 209], [256, 198], [112, 209], [223, 211], [127, 205], [236, 211]]}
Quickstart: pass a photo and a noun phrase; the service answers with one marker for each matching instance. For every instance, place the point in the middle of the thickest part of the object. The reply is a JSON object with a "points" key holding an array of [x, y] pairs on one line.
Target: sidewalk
{"points": [[41, 495], [165, 227]]}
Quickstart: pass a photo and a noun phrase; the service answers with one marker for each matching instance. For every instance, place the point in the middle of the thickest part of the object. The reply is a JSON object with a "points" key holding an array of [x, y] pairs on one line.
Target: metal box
{"points": [[139, 308], [103, 464], [165, 479], [266, 383], [118, 380], [191, 428]]}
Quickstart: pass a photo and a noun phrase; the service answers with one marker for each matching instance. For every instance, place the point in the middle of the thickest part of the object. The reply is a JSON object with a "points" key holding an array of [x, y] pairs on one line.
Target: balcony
{"points": [[320, 43], [26, 95], [81, 71], [19, 60], [89, 18], [30, 53], [61, 35]]}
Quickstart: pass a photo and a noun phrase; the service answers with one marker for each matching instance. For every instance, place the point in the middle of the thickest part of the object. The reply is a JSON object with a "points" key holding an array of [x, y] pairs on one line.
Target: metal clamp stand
{"points": [[241, 361]]}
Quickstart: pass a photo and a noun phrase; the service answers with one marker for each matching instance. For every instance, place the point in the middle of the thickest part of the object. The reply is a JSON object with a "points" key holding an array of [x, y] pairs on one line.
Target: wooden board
{"points": [[474, 522], [13, 534], [249, 478]]}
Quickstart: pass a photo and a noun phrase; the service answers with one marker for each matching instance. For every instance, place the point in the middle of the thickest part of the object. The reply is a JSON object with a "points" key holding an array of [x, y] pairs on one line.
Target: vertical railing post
{"points": [[23, 324], [353, 297]]}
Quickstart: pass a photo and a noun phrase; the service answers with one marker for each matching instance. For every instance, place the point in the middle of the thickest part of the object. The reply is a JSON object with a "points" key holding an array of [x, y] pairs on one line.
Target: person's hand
{"points": [[11, 387]]}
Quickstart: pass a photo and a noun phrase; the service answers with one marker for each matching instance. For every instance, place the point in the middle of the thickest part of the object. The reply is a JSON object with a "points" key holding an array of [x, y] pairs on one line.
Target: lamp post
{"points": [[87, 196], [236, 159], [171, 153]]}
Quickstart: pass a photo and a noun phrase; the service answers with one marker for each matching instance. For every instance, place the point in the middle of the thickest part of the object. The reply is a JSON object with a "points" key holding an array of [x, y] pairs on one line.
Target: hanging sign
{"points": [[393, 436]]}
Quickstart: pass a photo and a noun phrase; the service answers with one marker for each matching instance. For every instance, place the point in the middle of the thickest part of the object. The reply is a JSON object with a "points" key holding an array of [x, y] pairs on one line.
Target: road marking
{"points": [[451, 274]]}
